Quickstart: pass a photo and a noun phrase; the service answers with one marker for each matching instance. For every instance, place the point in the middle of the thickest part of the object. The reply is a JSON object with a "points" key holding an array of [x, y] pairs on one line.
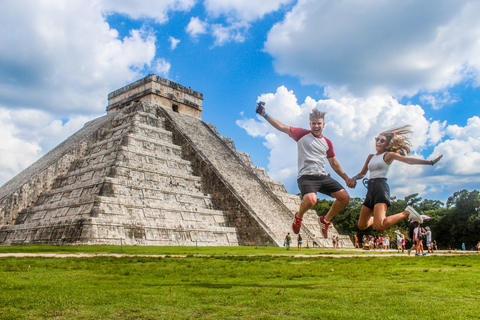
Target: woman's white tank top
{"points": [[377, 166]]}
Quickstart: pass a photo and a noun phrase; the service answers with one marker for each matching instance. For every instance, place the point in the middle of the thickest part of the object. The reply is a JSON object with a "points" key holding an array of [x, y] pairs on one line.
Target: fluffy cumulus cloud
{"points": [[236, 18], [173, 42], [232, 32], [65, 56], [196, 27], [243, 10], [353, 123], [407, 46], [462, 149], [58, 62], [27, 134], [17, 152], [152, 9]]}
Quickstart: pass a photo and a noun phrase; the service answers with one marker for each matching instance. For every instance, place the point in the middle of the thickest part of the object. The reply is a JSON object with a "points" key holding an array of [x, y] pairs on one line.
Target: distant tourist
{"points": [[288, 238], [299, 241], [419, 235], [357, 245], [386, 242], [428, 239], [400, 241]]}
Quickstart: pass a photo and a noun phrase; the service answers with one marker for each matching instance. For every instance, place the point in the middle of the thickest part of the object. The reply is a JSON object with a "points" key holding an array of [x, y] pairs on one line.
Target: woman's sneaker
{"points": [[297, 224], [414, 215]]}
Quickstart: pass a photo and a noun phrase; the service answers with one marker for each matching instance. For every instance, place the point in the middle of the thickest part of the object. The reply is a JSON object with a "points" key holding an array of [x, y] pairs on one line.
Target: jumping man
{"points": [[313, 149]]}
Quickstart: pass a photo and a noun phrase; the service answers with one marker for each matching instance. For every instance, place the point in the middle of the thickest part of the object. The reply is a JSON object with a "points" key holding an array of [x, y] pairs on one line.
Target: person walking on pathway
{"points": [[299, 241], [412, 234], [313, 150], [390, 145], [420, 235], [288, 238], [400, 240], [357, 245], [428, 239]]}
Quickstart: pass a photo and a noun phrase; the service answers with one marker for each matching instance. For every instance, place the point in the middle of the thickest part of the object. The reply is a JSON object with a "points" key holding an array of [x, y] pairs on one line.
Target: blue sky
{"points": [[371, 65]]}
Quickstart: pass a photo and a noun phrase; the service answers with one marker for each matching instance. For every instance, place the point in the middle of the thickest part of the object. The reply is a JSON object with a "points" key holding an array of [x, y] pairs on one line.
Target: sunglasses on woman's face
{"points": [[381, 140]]}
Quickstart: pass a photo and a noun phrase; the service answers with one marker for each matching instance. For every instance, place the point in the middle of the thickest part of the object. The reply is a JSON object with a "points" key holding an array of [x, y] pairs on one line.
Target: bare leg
{"points": [[366, 218], [341, 200], [308, 201], [377, 217], [381, 222]]}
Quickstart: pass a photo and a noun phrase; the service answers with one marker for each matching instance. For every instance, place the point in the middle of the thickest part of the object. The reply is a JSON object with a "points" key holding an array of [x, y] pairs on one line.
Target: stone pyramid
{"points": [[150, 172]]}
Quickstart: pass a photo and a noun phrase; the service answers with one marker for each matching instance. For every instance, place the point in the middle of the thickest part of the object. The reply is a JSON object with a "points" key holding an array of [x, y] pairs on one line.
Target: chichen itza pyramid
{"points": [[150, 172]]}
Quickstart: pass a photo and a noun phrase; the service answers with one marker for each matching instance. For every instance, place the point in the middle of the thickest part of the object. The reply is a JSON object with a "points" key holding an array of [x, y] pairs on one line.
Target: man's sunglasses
{"points": [[381, 140]]}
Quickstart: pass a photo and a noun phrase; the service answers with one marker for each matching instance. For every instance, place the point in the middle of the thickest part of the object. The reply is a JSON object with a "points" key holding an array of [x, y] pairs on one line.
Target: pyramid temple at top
{"points": [[150, 172]]}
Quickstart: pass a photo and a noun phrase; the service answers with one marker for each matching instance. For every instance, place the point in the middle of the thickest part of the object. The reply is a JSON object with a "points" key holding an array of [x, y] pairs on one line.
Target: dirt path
{"points": [[299, 255]]}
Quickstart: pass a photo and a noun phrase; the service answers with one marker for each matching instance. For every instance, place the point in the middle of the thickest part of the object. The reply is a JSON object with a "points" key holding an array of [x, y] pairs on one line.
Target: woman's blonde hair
{"points": [[397, 139]]}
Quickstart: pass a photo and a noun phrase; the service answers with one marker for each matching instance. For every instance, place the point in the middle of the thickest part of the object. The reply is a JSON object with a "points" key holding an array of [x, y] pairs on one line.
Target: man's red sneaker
{"points": [[324, 226], [297, 223]]}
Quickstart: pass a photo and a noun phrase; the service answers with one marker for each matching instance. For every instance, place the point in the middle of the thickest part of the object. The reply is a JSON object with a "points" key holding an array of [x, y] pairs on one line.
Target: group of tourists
{"points": [[370, 242], [314, 150], [288, 240], [421, 236]]}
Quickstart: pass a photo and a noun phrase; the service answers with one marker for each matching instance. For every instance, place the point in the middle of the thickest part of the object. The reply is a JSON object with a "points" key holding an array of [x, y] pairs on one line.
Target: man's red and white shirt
{"points": [[312, 152]]}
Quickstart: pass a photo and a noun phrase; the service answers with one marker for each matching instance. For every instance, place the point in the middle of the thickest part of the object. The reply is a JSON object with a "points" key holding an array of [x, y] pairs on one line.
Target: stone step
{"points": [[137, 234], [123, 207], [139, 127], [131, 115]]}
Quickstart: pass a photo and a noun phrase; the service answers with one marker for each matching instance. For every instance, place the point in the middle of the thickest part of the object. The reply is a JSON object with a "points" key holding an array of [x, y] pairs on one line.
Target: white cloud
{"points": [[436, 132], [236, 18], [155, 9], [161, 67], [462, 150], [17, 152], [471, 130], [65, 57], [58, 62], [379, 47], [232, 33], [27, 133], [353, 123], [243, 10], [173, 43], [196, 27], [437, 100]]}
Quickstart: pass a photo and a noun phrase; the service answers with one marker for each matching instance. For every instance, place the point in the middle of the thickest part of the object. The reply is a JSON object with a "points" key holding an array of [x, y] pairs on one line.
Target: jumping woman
{"points": [[389, 145]]}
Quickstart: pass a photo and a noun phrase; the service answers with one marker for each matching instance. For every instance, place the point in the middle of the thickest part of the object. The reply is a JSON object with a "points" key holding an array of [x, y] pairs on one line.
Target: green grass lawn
{"points": [[236, 283]]}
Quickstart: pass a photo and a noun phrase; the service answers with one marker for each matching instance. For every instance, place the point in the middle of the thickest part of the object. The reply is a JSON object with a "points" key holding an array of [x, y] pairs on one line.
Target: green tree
{"points": [[463, 218]]}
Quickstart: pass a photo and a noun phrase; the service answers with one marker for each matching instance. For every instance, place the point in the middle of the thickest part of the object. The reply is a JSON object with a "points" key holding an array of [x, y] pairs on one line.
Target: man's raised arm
{"points": [[274, 122]]}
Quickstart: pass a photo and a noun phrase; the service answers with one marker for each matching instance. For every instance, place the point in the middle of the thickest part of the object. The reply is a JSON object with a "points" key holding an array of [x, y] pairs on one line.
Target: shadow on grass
{"points": [[208, 285]]}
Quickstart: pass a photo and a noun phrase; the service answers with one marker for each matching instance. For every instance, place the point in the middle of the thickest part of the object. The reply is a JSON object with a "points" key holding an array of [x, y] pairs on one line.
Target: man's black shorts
{"points": [[322, 183], [378, 191]]}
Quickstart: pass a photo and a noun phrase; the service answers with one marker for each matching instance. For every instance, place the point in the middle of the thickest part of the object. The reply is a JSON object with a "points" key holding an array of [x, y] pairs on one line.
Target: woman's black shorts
{"points": [[378, 191]]}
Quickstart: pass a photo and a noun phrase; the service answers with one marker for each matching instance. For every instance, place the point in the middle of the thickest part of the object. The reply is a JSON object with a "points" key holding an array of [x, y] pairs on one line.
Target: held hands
{"points": [[351, 182]]}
